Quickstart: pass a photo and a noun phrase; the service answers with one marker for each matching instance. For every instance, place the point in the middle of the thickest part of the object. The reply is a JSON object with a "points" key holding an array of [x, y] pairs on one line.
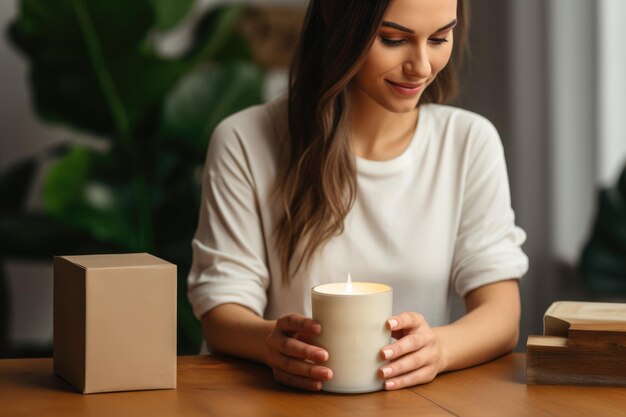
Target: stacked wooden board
{"points": [[583, 343]]}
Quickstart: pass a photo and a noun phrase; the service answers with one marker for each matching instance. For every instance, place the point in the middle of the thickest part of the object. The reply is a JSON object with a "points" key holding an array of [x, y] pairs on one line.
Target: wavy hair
{"points": [[318, 183]]}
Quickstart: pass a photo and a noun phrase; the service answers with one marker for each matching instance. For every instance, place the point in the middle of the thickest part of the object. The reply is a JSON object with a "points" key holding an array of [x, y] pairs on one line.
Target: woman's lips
{"points": [[406, 89]]}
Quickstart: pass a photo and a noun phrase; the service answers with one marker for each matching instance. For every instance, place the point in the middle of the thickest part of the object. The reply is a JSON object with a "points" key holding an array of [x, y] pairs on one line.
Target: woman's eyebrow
{"points": [[397, 26], [448, 26], [394, 25]]}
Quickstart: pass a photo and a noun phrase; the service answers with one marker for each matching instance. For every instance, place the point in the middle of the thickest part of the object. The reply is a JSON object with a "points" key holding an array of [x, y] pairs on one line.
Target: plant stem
{"points": [[225, 26], [144, 239], [96, 55]]}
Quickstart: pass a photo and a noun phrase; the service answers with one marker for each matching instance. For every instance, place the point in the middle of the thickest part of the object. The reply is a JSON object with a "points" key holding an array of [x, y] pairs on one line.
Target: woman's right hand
{"points": [[290, 351]]}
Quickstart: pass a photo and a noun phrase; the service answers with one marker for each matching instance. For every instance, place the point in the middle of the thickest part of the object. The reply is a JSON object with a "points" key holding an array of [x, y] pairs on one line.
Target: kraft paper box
{"points": [[115, 322]]}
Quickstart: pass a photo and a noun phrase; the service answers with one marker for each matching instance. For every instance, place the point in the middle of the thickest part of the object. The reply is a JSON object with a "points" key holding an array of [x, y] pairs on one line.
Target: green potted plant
{"points": [[94, 68], [603, 261]]}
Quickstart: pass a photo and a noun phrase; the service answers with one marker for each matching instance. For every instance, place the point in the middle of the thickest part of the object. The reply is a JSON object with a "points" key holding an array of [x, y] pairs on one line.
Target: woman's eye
{"points": [[391, 42], [437, 41]]}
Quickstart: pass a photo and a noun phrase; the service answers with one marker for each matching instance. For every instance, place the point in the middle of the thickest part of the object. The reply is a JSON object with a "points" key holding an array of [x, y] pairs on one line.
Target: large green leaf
{"points": [[603, 261], [91, 65], [205, 97], [610, 224], [170, 12], [74, 47], [52, 29], [603, 269], [217, 38], [74, 194]]}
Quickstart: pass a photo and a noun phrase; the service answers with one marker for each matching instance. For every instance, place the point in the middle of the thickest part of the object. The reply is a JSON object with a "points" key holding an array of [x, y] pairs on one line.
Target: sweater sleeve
{"points": [[488, 243], [228, 248]]}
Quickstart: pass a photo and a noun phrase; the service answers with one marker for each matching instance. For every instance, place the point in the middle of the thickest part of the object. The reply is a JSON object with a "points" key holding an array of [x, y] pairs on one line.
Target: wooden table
{"points": [[224, 387]]}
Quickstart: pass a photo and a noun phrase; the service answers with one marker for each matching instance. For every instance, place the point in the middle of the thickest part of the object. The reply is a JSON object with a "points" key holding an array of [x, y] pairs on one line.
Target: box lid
{"points": [[587, 311], [110, 261]]}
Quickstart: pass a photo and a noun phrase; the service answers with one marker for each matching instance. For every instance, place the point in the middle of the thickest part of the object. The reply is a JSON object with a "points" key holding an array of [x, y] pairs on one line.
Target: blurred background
{"points": [[106, 109]]}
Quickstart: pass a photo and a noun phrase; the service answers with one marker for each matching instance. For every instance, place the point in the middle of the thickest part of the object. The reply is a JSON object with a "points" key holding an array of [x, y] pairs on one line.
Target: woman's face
{"points": [[413, 44]]}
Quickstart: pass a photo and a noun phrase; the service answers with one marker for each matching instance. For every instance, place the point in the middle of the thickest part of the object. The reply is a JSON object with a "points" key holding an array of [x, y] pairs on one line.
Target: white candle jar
{"points": [[353, 332]]}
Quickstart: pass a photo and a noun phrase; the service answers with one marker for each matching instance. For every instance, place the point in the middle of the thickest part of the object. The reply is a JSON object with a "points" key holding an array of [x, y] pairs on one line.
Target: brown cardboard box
{"points": [[115, 322]]}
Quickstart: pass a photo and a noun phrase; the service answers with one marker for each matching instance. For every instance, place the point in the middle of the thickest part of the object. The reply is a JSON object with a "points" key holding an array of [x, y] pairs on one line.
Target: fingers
{"points": [[298, 372], [296, 348], [298, 324], [298, 337], [412, 333], [292, 356], [408, 320], [410, 362], [301, 368], [414, 357], [306, 338], [296, 381], [418, 376], [407, 344]]}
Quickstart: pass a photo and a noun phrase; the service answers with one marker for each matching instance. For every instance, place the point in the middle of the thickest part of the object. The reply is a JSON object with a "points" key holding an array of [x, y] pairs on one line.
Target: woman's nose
{"points": [[417, 64]]}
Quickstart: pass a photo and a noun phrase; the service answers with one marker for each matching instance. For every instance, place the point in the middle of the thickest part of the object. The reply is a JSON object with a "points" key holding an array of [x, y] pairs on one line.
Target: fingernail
{"points": [[389, 384], [317, 328], [392, 323], [388, 353], [386, 371], [321, 356]]}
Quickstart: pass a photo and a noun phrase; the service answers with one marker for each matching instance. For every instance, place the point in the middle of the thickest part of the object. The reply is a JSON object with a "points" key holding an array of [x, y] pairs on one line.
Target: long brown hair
{"points": [[318, 184]]}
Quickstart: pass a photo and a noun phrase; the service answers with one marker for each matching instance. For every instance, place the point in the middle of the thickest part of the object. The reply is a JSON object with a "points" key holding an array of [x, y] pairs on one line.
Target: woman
{"points": [[361, 170]]}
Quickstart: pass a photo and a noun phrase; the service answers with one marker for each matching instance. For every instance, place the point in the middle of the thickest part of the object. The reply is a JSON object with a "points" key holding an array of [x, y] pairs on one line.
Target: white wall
{"points": [[21, 133], [573, 126], [611, 155], [528, 158], [588, 102], [569, 97]]}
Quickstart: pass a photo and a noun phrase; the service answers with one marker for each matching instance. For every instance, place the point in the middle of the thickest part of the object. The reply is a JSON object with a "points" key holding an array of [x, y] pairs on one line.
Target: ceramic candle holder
{"points": [[353, 321]]}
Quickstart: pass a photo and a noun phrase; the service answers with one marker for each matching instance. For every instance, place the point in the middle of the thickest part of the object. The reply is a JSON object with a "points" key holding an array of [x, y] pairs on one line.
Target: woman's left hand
{"points": [[415, 358]]}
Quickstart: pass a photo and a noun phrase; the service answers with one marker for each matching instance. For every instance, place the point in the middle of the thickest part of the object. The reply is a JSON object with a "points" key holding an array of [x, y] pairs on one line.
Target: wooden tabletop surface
{"points": [[224, 387]]}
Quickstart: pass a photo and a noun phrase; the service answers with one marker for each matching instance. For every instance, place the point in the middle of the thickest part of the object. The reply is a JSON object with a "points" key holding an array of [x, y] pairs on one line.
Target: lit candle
{"points": [[353, 317]]}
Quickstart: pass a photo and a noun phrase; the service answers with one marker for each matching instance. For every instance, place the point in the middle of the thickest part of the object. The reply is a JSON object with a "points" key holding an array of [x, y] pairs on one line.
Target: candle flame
{"points": [[349, 283]]}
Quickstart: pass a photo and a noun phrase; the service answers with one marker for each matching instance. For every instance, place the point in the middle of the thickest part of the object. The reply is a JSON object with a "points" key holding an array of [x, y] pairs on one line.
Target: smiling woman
{"points": [[362, 168], [413, 45]]}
